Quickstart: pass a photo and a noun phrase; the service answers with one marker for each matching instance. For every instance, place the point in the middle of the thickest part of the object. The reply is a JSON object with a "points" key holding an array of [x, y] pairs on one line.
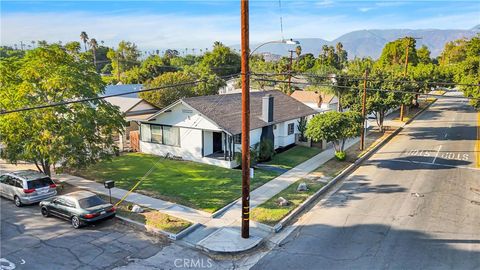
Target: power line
{"points": [[368, 89], [361, 79]]}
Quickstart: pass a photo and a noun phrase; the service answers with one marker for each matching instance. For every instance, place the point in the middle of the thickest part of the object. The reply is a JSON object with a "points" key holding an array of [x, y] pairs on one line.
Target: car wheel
{"points": [[45, 212], [17, 201], [75, 222]]}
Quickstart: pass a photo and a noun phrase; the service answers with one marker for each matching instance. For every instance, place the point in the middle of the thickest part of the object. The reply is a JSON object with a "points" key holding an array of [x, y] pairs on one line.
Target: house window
{"points": [[291, 128], [237, 139], [156, 134], [166, 135], [171, 136]]}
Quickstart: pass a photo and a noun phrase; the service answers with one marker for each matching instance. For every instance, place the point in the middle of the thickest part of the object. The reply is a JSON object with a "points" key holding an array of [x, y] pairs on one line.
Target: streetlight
{"points": [[283, 41]]}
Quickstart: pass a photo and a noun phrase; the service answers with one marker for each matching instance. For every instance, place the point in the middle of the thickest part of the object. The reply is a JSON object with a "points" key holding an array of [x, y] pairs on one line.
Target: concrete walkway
{"points": [[213, 234], [213, 231]]}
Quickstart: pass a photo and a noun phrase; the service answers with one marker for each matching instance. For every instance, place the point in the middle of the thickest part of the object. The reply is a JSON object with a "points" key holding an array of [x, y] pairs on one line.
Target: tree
{"points": [[222, 60], [302, 128], [423, 55], [124, 58], [335, 127], [298, 51], [84, 38], [394, 53], [94, 46], [74, 135], [167, 96], [73, 47]]}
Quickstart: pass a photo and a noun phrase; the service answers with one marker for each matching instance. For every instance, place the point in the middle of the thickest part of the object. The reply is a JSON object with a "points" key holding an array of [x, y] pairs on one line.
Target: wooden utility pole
{"points": [[245, 120], [290, 72], [402, 106], [364, 112]]}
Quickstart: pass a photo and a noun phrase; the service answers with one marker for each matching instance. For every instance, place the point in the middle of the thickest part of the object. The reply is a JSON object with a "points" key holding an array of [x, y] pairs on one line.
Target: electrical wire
{"points": [[368, 89], [2, 112], [370, 79]]}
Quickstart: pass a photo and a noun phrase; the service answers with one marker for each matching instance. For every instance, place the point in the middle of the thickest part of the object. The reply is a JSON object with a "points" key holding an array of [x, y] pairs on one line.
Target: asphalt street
{"points": [[30, 241], [415, 204]]}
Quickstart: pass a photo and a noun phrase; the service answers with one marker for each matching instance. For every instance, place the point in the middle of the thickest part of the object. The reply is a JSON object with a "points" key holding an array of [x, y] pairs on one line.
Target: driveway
{"points": [[30, 241]]}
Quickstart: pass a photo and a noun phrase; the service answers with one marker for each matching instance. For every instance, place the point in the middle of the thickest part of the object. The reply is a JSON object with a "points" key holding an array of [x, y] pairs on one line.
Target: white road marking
{"points": [[441, 165], [6, 264], [438, 151]]}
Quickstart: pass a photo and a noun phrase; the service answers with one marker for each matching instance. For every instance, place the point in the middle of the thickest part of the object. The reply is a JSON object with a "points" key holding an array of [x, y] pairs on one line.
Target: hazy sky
{"points": [[196, 24]]}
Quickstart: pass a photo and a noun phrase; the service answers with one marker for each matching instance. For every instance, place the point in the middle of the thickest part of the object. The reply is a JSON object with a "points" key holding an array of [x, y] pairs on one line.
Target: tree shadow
{"points": [[355, 186], [371, 246], [417, 163], [455, 133]]}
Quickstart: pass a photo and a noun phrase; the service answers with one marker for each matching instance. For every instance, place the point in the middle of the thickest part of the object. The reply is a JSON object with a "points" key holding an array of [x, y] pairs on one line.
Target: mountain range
{"points": [[369, 43]]}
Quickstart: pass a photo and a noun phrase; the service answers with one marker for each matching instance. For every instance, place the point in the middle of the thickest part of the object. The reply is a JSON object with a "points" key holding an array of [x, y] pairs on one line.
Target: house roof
{"points": [[307, 96], [312, 96], [124, 103], [123, 88], [226, 110]]}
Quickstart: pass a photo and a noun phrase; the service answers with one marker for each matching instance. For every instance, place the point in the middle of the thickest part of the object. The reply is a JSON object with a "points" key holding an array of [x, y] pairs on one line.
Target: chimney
{"points": [[267, 108]]}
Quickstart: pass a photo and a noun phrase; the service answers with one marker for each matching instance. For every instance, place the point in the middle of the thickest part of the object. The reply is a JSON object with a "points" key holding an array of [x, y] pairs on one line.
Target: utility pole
{"points": [[402, 106], [245, 120], [290, 72], [364, 110]]}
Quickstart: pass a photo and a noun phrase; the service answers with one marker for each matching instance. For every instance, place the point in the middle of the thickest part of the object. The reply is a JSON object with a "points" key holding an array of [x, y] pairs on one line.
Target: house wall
{"points": [[190, 148], [143, 105]]}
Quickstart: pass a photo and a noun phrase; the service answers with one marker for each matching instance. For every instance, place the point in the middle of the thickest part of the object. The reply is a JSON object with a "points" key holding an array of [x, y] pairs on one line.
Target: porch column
{"points": [[224, 145]]}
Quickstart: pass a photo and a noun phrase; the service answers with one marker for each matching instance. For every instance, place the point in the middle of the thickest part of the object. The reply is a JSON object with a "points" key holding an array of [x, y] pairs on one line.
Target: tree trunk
{"points": [[342, 147], [46, 167], [38, 167]]}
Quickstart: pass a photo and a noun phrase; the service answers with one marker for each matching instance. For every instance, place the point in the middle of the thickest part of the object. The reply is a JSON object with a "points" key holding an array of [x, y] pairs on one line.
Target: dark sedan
{"points": [[78, 207]]}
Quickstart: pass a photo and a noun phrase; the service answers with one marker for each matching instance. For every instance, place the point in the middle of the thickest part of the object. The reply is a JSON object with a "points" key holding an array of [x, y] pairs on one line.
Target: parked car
{"points": [[79, 207], [27, 187]]}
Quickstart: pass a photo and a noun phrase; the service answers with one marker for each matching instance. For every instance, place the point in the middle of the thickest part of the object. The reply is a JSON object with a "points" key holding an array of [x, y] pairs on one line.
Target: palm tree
{"points": [[94, 46], [33, 43], [84, 38]]}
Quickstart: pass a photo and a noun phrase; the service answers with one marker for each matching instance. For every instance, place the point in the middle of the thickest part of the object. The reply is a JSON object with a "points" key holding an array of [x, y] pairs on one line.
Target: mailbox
{"points": [[109, 184]]}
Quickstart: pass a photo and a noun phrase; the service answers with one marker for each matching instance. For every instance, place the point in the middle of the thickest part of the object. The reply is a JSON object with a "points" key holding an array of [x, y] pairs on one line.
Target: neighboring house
{"points": [[133, 109], [207, 129], [320, 102]]}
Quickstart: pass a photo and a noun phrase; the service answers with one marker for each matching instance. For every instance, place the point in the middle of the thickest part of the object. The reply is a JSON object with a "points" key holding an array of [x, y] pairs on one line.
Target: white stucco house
{"points": [[207, 129]]}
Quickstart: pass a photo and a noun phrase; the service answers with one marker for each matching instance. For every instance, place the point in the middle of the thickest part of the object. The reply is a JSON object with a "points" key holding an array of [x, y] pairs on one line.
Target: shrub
{"points": [[341, 155], [266, 150]]}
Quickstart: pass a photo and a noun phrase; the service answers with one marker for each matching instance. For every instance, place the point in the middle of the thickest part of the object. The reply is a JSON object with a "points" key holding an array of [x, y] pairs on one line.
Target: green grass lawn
{"points": [[293, 156], [197, 185], [271, 213]]}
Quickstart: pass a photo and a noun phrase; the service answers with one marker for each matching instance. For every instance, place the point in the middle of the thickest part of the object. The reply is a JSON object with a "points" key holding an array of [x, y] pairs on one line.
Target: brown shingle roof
{"points": [[306, 96], [226, 110]]}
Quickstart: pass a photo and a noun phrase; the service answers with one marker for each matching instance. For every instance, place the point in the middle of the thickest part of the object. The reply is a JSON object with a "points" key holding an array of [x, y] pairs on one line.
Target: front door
{"points": [[217, 142]]}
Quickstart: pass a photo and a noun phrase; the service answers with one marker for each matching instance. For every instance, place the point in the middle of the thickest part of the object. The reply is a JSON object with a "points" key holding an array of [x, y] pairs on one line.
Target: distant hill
{"points": [[363, 43]]}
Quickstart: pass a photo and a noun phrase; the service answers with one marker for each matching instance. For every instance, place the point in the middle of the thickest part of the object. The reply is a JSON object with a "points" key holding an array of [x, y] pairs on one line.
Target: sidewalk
{"points": [[219, 234], [213, 236]]}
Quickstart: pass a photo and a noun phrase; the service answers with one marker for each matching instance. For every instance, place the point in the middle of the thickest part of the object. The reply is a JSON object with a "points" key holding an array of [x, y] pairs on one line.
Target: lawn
{"points": [[201, 186], [271, 213], [293, 156]]}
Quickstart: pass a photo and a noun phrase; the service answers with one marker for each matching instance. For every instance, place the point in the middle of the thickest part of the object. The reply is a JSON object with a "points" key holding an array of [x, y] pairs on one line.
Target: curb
{"points": [[155, 231], [278, 227], [223, 209]]}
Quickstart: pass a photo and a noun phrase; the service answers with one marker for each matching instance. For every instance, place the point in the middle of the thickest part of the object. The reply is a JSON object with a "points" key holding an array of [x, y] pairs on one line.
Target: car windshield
{"points": [[39, 183], [90, 202]]}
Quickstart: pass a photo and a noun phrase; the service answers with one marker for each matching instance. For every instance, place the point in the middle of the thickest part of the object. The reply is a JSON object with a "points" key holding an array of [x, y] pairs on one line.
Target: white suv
{"points": [[26, 187]]}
